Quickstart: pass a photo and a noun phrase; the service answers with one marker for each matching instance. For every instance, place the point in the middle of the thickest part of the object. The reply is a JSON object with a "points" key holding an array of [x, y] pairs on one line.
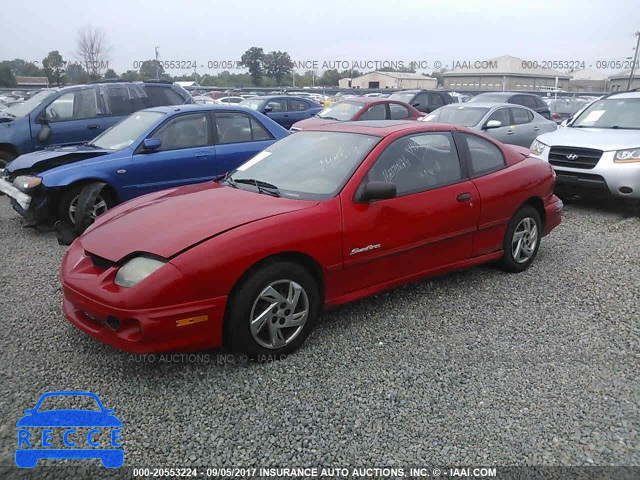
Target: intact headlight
{"points": [[136, 270], [537, 147], [26, 182], [627, 156]]}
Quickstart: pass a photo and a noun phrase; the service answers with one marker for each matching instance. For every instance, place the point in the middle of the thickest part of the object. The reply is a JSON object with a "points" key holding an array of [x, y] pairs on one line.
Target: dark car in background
{"points": [[283, 109], [423, 100], [76, 114], [358, 109], [564, 108], [530, 100]]}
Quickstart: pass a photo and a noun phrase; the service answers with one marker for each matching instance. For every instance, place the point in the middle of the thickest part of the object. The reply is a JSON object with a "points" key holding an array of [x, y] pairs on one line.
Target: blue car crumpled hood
{"points": [[42, 160]]}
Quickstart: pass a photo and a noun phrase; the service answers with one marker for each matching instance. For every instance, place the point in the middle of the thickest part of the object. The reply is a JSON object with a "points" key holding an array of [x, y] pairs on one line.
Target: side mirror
{"points": [[151, 144], [377, 190], [267, 110], [492, 124], [45, 133]]}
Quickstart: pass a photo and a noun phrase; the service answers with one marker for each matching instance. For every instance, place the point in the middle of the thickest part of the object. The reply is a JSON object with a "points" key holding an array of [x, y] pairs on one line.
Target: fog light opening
{"points": [[113, 323], [626, 190]]}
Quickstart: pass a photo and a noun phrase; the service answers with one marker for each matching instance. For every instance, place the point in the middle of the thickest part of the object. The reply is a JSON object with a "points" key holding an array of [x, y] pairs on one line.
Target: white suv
{"points": [[599, 150]]}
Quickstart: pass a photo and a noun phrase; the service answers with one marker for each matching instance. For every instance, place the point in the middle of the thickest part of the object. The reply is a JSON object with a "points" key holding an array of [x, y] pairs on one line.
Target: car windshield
{"points": [[127, 131], [252, 103], [403, 96], [23, 109], [69, 402], [341, 111], [458, 115], [566, 107], [611, 113], [307, 165]]}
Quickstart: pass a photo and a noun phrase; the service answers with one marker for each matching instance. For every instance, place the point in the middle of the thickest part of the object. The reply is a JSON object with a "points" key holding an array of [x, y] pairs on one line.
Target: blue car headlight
{"points": [[26, 182], [136, 270]]}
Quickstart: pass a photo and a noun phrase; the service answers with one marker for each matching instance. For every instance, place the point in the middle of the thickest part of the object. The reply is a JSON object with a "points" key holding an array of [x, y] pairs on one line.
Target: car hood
{"points": [[312, 123], [169, 222], [69, 418], [37, 162], [598, 138]]}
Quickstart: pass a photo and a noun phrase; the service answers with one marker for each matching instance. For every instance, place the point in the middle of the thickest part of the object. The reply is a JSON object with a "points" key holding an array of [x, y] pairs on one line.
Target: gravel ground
{"points": [[477, 367]]}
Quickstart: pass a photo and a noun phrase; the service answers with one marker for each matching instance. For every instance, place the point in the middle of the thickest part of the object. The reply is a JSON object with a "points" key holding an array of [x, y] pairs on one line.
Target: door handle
{"points": [[93, 126], [536, 128], [464, 197], [286, 115], [201, 154], [509, 132]]}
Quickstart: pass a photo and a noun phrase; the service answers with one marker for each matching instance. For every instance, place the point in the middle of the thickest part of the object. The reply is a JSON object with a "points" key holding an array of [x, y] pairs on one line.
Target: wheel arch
{"points": [[538, 204], [86, 181]]}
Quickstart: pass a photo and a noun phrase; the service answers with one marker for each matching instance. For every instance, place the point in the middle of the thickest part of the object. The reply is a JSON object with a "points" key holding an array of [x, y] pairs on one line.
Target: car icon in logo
{"points": [[103, 437], [572, 156]]}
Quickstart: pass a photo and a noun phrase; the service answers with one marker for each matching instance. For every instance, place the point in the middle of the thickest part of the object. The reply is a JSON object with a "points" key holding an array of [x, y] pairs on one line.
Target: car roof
{"points": [[623, 95], [116, 83], [419, 90], [370, 100], [273, 97], [382, 128]]}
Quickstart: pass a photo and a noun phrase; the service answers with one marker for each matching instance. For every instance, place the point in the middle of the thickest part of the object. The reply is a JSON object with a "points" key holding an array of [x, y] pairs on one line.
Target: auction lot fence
{"points": [[329, 472]]}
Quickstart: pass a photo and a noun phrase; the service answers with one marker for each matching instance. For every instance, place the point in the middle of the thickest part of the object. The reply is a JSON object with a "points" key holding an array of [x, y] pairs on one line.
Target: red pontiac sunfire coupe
{"points": [[319, 218]]}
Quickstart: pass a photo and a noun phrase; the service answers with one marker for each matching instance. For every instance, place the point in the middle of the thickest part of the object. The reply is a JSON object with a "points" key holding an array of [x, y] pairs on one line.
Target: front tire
{"points": [[272, 311], [522, 240], [69, 203]]}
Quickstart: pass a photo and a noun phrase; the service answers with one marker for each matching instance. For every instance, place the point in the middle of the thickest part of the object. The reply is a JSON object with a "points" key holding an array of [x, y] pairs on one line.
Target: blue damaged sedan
{"points": [[153, 149]]}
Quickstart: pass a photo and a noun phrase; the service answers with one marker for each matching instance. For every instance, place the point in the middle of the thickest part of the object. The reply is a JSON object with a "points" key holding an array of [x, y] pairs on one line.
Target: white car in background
{"points": [[598, 152], [229, 100]]}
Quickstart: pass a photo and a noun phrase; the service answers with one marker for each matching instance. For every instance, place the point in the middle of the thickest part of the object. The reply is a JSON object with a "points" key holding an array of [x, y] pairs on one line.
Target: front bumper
{"points": [[21, 198], [158, 315], [608, 178], [553, 212]]}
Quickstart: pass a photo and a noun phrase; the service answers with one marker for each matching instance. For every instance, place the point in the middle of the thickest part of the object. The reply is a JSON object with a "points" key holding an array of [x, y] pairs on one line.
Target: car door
{"points": [[276, 110], [524, 131], [186, 155], [74, 117], [238, 137], [430, 223], [297, 110], [504, 133]]}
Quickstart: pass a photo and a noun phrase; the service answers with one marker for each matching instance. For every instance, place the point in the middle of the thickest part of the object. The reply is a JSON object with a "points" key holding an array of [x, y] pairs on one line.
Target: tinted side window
{"points": [[521, 116], [159, 96], [376, 112], [418, 162], [397, 111], [119, 101], [421, 99], [185, 131], [485, 156], [297, 105], [435, 100], [233, 128], [523, 100], [258, 131]]}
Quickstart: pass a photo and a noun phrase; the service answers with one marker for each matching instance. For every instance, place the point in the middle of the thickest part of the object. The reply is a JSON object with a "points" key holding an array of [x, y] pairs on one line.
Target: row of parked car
{"points": [[303, 213]]}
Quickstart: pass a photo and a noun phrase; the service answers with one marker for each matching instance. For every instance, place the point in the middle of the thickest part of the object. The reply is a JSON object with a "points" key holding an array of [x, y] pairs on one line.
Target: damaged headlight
{"points": [[136, 270], [26, 182]]}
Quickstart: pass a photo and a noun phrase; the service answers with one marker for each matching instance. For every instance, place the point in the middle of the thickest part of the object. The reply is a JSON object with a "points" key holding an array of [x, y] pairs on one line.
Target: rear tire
{"points": [[273, 310], [522, 240]]}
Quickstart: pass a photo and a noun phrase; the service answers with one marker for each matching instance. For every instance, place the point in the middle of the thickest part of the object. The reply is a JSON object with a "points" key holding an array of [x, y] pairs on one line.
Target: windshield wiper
{"points": [[327, 118], [91, 145], [263, 187]]}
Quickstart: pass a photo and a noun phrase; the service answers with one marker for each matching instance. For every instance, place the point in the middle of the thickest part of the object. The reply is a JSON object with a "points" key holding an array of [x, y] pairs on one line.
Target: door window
{"points": [[297, 105], [521, 116], [185, 131], [485, 156], [502, 115], [435, 100], [277, 106], [376, 112], [238, 128], [74, 106], [418, 162], [398, 111]]}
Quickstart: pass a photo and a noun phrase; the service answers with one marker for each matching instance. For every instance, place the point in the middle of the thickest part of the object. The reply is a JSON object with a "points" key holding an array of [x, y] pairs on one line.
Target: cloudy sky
{"points": [[326, 30]]}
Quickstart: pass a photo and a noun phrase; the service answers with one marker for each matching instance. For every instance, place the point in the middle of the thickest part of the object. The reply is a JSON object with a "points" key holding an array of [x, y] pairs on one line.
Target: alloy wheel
{"points": [[525, 240]]}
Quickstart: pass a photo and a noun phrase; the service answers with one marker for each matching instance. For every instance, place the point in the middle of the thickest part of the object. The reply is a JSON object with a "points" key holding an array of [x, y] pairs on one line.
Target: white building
{"points": [[394, 80]]}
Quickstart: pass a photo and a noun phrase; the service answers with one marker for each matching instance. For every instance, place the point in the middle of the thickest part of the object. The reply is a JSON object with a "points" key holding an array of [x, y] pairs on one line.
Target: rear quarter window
{"points": [[159, 96]]}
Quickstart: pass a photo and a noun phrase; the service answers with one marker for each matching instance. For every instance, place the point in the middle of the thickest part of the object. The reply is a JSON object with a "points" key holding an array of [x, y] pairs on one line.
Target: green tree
{"points": [[253, 59], [76, 74], [6, 75], [110, 73], [151, 69], [22, 68], [278, 65], [330, 78], [130, 76], [438, 76], [54, 67]]}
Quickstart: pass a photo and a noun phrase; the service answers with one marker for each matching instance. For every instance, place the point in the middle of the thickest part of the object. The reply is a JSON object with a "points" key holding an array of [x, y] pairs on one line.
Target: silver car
{"points": [[599, 149], [506, 122]]}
